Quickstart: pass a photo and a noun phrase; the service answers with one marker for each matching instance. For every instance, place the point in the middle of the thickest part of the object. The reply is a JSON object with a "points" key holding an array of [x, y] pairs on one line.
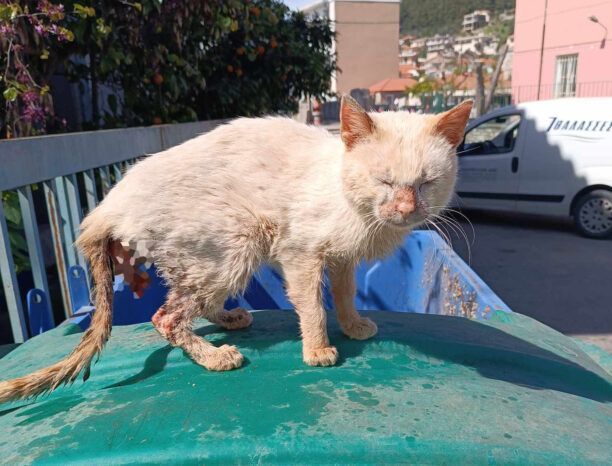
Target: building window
{"points": [[565, 76]]}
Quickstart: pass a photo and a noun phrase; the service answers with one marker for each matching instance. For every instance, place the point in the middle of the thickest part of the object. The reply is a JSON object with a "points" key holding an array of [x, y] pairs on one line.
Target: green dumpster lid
{"points": [[427, 389]]}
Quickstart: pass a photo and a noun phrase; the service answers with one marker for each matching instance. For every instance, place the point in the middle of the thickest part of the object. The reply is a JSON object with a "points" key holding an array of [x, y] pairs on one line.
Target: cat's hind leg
{"points": [[234, 319], [243, 252], [174, 322], [202, 274]]}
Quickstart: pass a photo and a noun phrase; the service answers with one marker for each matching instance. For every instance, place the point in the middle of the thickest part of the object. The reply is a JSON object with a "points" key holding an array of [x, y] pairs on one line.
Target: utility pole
{"points": [[542, 48]]}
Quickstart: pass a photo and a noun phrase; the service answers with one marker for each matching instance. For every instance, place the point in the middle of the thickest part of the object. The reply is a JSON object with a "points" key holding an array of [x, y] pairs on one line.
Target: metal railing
{"points": [[74, 172], [552, 91]]}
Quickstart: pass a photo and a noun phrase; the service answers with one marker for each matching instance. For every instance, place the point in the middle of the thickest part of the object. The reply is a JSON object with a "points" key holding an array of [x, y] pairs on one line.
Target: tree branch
{"points": [[493, 84]]}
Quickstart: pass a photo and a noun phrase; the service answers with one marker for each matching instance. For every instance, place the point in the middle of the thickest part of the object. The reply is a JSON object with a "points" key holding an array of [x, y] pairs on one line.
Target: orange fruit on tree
{"points": [[230, 69], [238, 72], [158, 79], [261, 50]]}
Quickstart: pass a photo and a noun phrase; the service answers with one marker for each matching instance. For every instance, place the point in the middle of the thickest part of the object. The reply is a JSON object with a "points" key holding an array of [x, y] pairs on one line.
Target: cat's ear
{"points": [[355, 123], [451, 124]]}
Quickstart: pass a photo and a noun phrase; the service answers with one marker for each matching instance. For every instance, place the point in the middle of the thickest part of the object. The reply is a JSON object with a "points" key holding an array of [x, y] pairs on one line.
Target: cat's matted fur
{"points": [[268, 190]]}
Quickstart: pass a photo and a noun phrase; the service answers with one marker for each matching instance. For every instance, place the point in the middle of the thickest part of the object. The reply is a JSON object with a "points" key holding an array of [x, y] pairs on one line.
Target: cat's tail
{"points": [[94, 242]]}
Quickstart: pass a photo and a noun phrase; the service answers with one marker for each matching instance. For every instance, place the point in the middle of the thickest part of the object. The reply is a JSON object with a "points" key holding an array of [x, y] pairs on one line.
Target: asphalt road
{"points": [[541, 268]]}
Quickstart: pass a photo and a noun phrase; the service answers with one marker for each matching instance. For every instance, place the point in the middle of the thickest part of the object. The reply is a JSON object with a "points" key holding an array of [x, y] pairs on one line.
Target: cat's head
{"points": [[400, 168]]}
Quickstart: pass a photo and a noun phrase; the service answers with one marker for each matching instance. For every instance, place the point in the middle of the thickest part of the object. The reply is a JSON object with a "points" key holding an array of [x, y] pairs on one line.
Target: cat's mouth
{"points": [[411, 222], [397, 220]]}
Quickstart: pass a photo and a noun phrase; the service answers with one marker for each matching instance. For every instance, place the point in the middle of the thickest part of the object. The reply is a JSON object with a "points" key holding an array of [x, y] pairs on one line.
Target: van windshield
{"points": [[496, 135]]}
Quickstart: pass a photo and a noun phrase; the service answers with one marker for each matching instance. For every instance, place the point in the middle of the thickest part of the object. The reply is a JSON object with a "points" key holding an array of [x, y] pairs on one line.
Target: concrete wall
{"points": [[367, 41], [568, 31]]}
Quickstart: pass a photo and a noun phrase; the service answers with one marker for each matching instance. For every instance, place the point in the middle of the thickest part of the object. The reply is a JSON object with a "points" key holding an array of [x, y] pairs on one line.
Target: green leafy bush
{"points": [[170, 61], [15, 230]]}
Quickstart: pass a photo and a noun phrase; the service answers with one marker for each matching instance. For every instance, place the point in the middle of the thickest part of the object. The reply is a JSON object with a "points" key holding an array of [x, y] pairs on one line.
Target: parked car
{"points": [[549, 157]]}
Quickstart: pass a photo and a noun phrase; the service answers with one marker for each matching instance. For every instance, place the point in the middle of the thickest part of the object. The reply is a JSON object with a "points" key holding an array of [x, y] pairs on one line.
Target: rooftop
{"points": [[392, 85]]}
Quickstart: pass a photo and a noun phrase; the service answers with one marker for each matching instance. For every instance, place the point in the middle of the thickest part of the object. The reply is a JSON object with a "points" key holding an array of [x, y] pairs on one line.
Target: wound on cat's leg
{"points": [[174, 322]]}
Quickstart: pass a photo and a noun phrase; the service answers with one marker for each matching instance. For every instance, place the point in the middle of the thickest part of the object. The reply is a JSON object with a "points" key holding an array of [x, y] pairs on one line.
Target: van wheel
{"points": [[593, 214]]}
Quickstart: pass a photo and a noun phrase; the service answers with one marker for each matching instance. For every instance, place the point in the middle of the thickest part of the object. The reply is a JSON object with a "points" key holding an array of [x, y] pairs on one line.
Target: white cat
{"points": [[268, 190]]}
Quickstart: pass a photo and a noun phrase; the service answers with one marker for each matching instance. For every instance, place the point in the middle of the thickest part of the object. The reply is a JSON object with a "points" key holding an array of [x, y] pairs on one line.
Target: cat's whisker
{"points": [[459, 231], [428, 224], [447, 210], [374, 227], [438, 250], [433, 216], [457, 228], [379, 226], [460, 226], [443, 234], [462, 215], [449, 221]]}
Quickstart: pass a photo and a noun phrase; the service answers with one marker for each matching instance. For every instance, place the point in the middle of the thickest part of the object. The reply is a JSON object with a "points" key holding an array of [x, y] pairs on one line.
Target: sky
{"points": [[297, 3]]}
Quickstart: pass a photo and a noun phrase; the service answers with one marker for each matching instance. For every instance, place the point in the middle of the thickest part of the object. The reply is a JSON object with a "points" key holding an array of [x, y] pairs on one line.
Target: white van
{"points": [[549, 157]]}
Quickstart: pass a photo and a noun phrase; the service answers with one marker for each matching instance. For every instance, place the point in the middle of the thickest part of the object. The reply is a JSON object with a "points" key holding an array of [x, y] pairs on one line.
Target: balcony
{"points": [[552, 91]]}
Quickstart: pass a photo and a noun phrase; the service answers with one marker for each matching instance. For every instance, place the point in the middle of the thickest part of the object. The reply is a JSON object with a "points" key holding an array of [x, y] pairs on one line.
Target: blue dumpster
{"points": [[424, 275]]}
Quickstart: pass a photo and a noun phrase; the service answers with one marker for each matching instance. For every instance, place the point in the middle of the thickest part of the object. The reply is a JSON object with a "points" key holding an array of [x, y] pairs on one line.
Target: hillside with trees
{"points": [[427, 18]]}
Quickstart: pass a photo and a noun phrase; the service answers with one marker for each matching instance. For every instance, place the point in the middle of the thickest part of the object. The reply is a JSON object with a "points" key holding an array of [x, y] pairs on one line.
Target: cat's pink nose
{"points": [[405, 208], [405, 201]]}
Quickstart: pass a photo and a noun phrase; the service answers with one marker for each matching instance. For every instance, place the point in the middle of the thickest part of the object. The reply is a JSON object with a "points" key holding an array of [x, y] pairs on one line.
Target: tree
{"points": [[501, 57], [169, 61], [425, 89], [442, 90], [197, 60], [484, 97]]}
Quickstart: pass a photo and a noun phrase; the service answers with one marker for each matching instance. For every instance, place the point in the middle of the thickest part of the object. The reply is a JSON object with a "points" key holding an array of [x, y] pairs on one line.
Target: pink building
{"points": [[562, 49]]}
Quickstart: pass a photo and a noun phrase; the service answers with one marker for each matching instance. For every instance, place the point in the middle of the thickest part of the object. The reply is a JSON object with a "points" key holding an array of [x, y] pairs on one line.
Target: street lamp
{"points": [[594, 19]]}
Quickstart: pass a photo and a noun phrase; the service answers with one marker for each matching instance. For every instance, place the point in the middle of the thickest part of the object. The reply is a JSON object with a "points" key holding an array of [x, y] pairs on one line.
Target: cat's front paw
{"points": [[224, 358], [321, 357], [360, 329]]}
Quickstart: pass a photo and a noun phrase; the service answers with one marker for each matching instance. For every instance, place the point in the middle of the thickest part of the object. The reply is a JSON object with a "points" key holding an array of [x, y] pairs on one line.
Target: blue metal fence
{"points": [[74, 171]]}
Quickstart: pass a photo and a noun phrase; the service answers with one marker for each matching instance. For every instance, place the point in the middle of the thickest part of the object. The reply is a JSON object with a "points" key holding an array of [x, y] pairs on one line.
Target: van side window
{"points": [[493, 136]]}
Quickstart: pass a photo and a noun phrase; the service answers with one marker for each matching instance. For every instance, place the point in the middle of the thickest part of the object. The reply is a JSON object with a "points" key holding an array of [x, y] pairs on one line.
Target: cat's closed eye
{"points": [[427, 184], [384, 180]]}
